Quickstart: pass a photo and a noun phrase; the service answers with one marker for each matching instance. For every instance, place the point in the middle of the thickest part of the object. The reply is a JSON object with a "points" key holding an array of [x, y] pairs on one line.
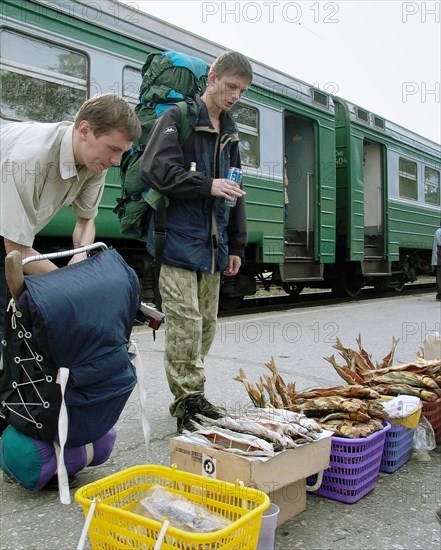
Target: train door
{"points": [[300, 210], [373, 184]]}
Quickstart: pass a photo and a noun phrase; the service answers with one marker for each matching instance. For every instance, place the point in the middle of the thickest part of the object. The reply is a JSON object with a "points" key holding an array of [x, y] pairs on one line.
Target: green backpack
{"points": [[169, 78]]}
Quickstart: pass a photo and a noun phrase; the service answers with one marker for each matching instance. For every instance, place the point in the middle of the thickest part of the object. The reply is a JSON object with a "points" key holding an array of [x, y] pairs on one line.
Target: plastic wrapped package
{"points": [[180, 512]]}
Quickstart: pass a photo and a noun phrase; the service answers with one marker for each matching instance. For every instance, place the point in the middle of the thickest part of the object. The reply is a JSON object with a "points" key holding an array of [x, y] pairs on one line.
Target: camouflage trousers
{"points": [[189, 301]]}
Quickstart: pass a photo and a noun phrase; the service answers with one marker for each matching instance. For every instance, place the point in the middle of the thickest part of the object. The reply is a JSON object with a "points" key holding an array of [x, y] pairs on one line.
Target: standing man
{"points": [[436, 261], [204, 236], [45, 166]]}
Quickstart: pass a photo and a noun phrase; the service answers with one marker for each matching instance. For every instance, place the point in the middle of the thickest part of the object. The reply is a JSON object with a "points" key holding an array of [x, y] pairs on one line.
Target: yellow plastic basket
{"points": [[410, 421], [113, 524]]}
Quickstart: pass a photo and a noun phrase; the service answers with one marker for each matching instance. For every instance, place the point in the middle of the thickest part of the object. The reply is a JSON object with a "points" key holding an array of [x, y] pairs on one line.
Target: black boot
{"points": [[198, 404]]}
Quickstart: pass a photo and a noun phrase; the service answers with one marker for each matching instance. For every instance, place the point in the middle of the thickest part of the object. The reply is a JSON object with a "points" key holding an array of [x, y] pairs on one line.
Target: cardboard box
{"points": [[282, 477], [291, 500]]}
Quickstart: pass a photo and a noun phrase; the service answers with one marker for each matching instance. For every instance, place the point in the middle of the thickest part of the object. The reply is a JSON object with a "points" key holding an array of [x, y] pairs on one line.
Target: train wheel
{"points": [[294, 289], [352, 287], [230, 303], [349, 284], [398, 286]]}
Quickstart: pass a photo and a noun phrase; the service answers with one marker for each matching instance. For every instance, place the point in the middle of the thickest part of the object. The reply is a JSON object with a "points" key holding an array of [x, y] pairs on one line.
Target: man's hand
{"points": [[234, 263], [77, 258], [227, 189]]}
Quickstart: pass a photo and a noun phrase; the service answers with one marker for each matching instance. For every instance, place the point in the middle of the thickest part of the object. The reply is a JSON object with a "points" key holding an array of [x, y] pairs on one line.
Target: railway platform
{"points": [[398, 514]]}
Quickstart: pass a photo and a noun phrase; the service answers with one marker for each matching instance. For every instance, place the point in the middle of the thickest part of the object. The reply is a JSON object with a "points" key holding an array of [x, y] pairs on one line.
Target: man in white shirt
{"points": [[47, 166]]}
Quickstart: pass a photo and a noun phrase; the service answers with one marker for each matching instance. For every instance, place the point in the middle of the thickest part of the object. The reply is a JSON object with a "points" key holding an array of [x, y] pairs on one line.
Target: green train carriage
{"points": [[56, 55], [388, 201]]}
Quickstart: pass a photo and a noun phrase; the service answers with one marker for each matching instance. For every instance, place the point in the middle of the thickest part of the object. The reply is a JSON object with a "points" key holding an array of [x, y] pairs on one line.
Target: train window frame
{"points": [[362, 115], [131, 98], [319, 97], [46, 76], [435, 185], [405, 178], [379, 122], [246, 130]]}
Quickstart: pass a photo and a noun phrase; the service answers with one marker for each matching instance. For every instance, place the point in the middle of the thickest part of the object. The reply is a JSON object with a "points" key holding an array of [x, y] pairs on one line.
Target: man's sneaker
{"points": [[185, 423], [198, 404]]}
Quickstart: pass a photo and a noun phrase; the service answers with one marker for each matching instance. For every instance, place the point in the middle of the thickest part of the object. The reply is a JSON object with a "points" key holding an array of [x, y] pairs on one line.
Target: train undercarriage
{"points": [[344, 278]]}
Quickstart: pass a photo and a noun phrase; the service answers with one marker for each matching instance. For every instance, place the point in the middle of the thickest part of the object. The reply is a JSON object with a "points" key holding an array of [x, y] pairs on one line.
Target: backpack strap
{"points": [[159, 239], [189, 117]]}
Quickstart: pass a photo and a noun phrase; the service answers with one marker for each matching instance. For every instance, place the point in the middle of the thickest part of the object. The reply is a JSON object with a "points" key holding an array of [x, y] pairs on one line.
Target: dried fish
{"points": [[362, 392], [180, 511], [357, 363], [280, 385], [429, 367], [256, 395], [234, 442], [349, 376], [376, 410], [353, 430], [299, 417], [403, 377], [315, 407], [388, 360], [342, 428], [275, 398], [261, 388], [364, 354], [405, 389], [247, 427], [356, 416]]}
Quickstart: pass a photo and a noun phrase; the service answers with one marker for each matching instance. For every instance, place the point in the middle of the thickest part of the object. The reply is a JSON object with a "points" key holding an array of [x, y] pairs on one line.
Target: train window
{"points": [[320, 97], [408, 179], [362, 114], [379, 122], [247, 120], [40, 81], [131, 84], [431, 186]]}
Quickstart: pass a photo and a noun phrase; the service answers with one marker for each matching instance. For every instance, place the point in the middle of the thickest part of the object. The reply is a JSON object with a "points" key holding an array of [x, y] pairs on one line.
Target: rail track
{"points": [[277, 300]]}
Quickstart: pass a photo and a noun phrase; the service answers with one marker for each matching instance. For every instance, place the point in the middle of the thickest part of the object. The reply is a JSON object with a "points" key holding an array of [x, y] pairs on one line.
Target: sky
{"points": [[382, 55]]}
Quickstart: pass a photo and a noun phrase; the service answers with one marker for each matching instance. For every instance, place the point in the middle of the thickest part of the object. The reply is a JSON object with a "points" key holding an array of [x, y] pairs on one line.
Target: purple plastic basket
{"points": [[353, 467], [397, 448]]}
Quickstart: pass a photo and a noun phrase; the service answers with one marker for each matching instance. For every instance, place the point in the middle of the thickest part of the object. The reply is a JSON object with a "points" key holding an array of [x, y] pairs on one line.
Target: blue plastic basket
{"points": [[397, 448]]}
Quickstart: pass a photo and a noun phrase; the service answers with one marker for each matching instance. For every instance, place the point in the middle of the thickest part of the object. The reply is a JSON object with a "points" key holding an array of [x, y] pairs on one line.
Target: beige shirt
{"points": [[39, 177]]}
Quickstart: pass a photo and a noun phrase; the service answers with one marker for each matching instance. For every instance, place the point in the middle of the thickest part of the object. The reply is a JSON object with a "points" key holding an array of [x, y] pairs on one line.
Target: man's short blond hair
{"points": [[233, 64]]}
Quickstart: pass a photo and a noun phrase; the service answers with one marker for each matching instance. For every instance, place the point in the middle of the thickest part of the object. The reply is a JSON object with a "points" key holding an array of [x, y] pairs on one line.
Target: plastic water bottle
{"points": [[234, 175]]}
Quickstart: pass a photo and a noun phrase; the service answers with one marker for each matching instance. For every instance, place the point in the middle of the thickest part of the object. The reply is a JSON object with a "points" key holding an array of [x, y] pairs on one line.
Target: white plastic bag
{"points": [[424, 436], [402, 406]]}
